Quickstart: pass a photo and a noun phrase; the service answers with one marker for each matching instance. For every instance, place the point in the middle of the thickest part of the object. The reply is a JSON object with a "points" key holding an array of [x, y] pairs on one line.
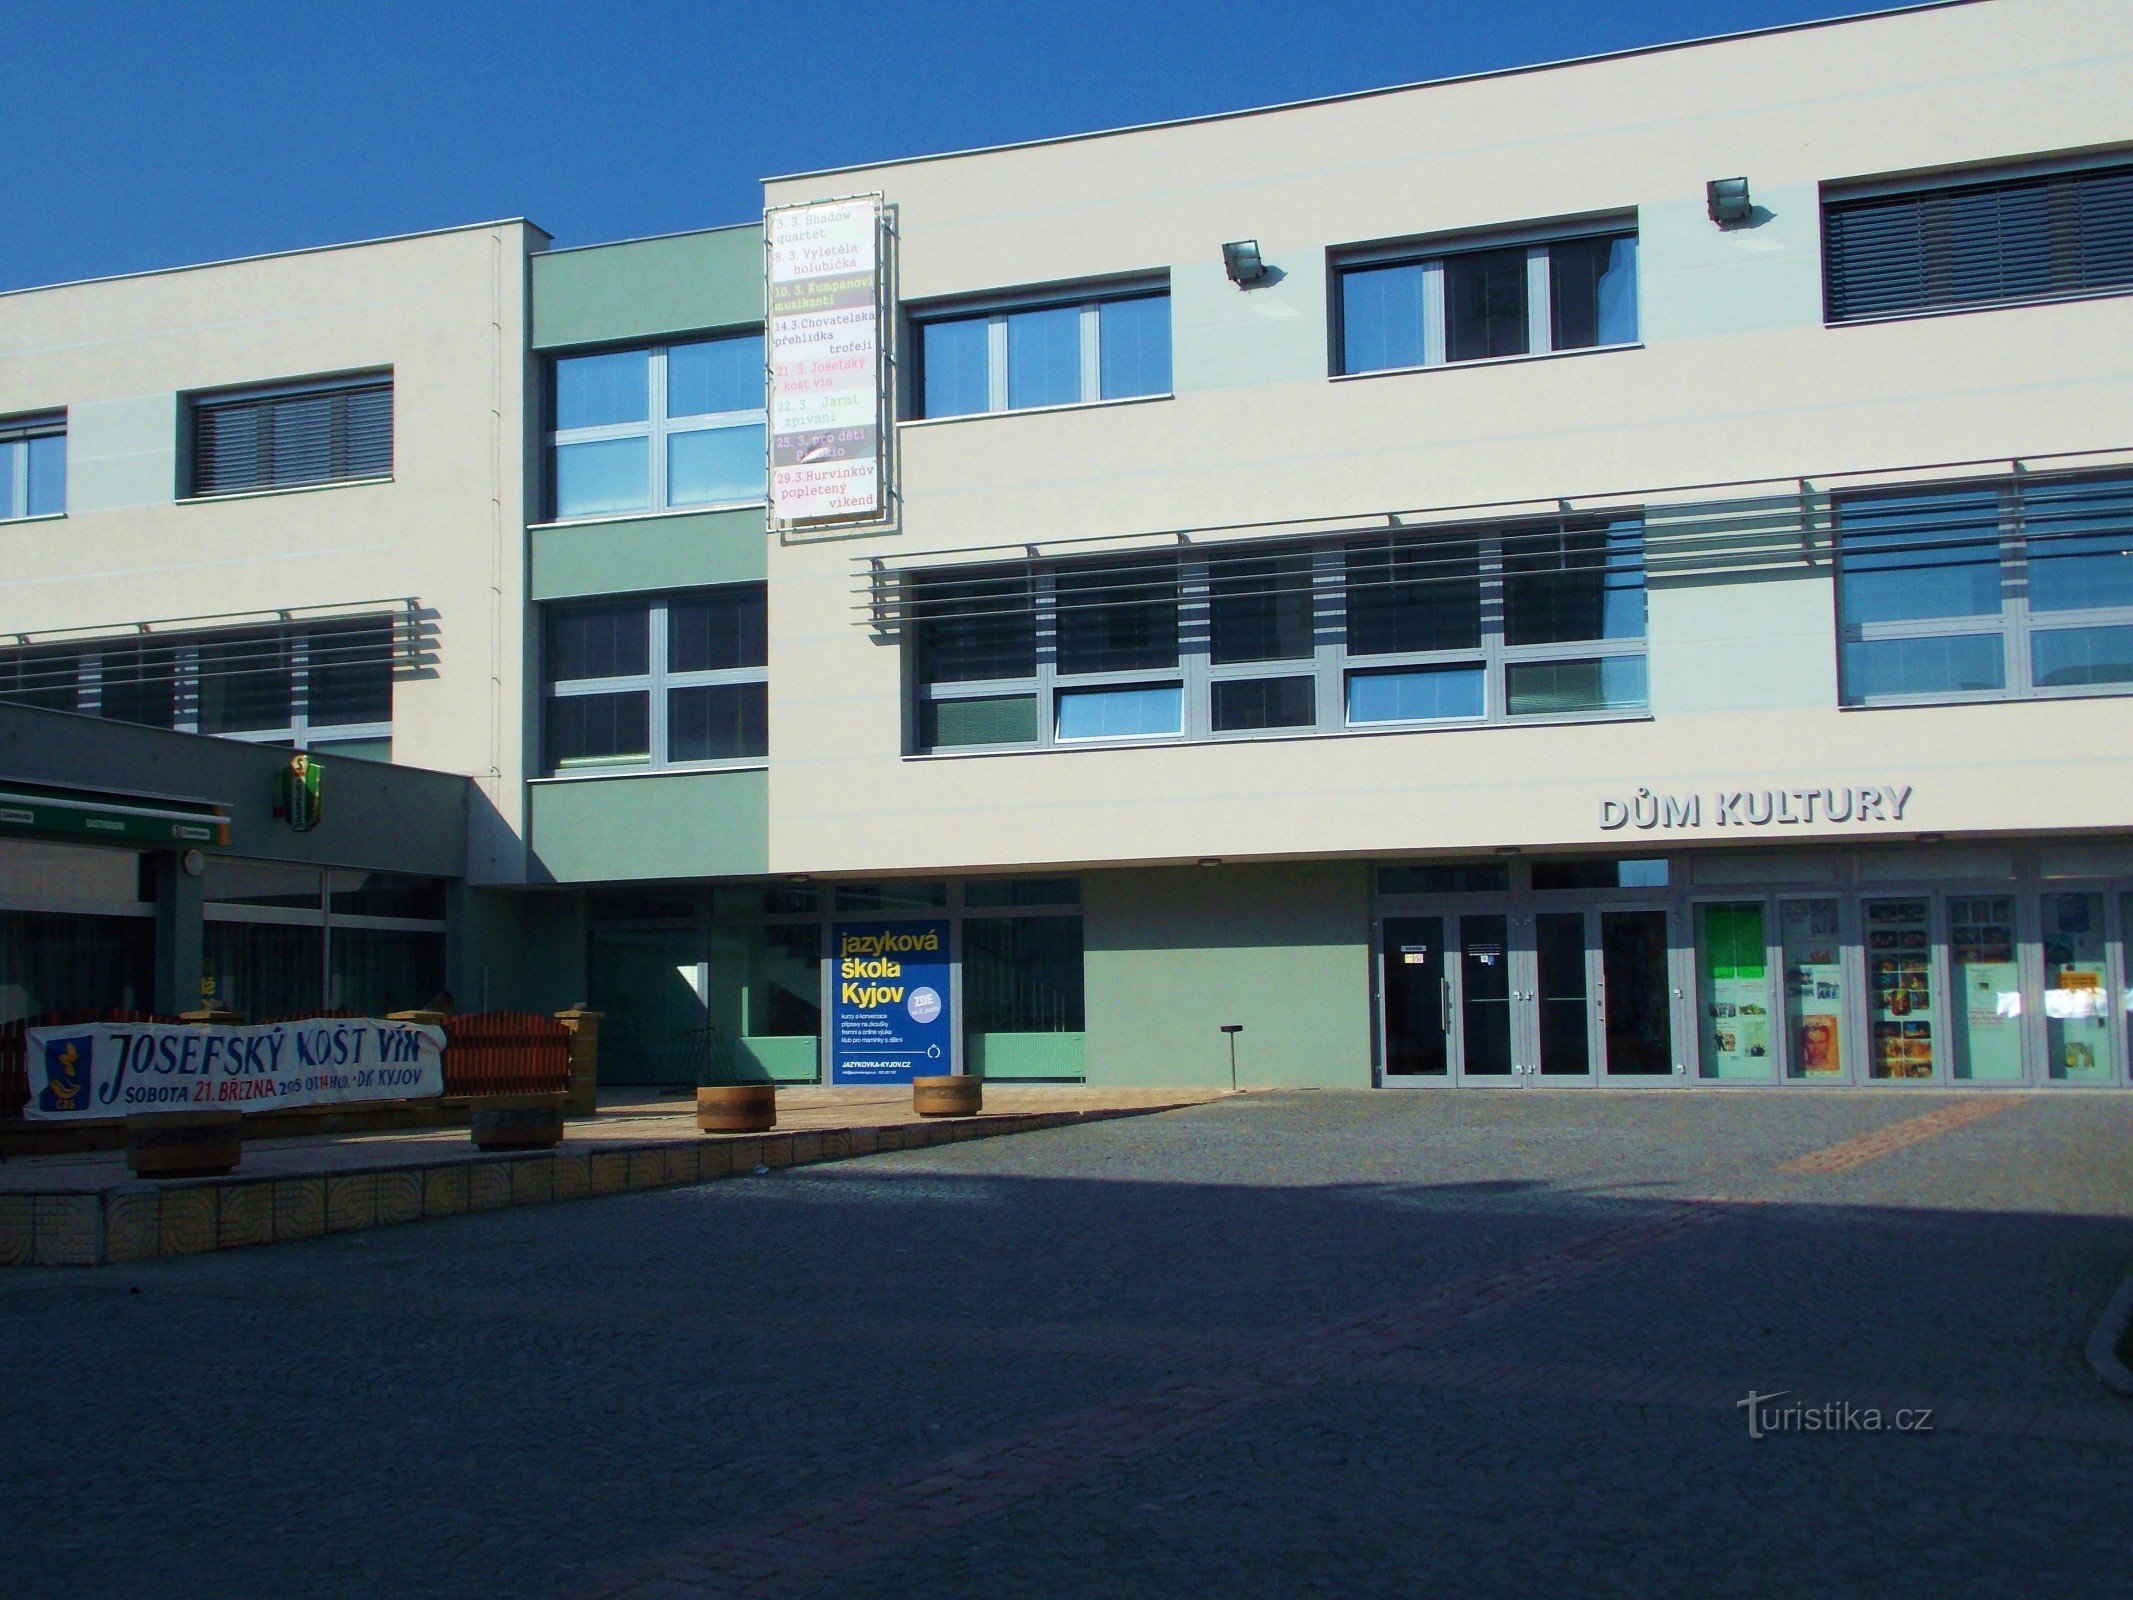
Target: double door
{"points": [[1515, 997]]}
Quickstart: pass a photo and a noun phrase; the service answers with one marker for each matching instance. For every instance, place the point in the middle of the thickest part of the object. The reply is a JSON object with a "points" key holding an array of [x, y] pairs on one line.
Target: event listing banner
{"points": [[113, 1069], [824, 318]]}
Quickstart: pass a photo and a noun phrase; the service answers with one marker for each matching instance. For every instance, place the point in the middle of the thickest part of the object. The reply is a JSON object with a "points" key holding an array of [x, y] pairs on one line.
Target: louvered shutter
{"points": [[277, 441]]}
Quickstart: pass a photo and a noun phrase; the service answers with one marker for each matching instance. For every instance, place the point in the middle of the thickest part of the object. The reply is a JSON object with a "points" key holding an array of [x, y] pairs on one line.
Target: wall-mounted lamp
{"points": [[1727, 201], [1242, 261]]}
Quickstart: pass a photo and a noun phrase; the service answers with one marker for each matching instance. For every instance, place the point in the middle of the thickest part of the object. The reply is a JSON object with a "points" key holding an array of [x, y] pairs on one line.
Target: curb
{"points": [[2103, 1343], [144, 1220]]}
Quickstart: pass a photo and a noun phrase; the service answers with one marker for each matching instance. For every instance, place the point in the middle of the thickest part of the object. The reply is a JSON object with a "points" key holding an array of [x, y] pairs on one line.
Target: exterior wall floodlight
{"points": [[1241, 260], [1727, 201]]}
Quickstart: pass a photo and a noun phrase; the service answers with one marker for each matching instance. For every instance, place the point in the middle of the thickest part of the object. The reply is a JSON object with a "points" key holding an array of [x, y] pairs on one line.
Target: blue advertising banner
{"points": [[890, 1019]]}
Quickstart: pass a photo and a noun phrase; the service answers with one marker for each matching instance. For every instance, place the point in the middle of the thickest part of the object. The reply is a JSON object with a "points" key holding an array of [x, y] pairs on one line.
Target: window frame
{"points": [[22, 430], [2015, 623], [196, 401], [185, 678], [1538, 240], [1329, 664], [657, 428], [656, 682], [994, 310]]}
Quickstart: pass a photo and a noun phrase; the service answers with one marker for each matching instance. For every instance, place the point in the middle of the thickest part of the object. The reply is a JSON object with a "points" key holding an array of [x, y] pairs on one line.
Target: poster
{"points": [[1899, 966], [1814, 986], [890, 1017], [1735, 992], [116, 1069], [825, 350]]}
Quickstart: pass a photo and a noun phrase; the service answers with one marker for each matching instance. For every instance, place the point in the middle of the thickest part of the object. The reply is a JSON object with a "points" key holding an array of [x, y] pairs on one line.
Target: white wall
{"points": [[1737, 379]]}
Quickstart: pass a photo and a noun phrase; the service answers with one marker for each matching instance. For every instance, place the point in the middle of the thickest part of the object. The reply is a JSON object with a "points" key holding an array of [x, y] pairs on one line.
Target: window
{"points": [[282, 940], [2004, 589], [677, 680], [33, 467], [660, 429], [1979, 243], [1529, 620], [1073, 352], [310, 685], [327, 432], [1485, 301]]}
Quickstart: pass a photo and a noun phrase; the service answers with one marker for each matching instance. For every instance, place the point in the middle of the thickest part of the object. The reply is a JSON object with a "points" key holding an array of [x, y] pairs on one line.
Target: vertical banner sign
{"points": [[824, 287], [891, 1017]]}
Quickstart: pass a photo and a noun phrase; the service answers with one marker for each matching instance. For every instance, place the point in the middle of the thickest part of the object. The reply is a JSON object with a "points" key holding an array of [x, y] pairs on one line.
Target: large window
{"points": [[312, 685], [329, 431], [33, 467], [675, 680], [1467, 625], [662, 429], [281, 940], [1991, 590], [1110, 346], [1486, 299], [1983, 242]]}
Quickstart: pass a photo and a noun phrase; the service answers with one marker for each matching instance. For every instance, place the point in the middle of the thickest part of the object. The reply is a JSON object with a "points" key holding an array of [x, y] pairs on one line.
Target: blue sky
{"points": [[146, 135]]}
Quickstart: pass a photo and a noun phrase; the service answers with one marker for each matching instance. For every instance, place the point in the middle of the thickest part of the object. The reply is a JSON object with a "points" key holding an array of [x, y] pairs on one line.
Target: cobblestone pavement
{"points": [[1295, 1344]]}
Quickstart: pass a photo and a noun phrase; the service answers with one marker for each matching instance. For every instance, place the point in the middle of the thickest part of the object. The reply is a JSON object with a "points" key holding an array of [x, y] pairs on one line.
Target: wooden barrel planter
{"points": [[737, 1108], [184, 1144], [516, 1122], [961, 1096]]}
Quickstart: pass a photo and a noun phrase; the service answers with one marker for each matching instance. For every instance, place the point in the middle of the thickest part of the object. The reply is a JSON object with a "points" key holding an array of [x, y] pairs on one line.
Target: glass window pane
{"points": [[994, 719], [1121, 618], [1592, 292], [1565, 585], [1260, 608], [1649, 873], [1899, 966], [1381, 318], [1022, 892], [2079, 537], [1133, 339], [1022, 975], [1142, 712], [263, 971], [590, 728], [956, 360], [609, 641], [2063, 658], [715, 375], [1448, 877], [47, 678], [1966, 663], [1412, 595], [1244, 704], [140, 684], [11, 454], [261, 883], [2077, 990], [1427, 694], [718, 722], [48, 475], [1485, 304], [715, 466], [599, 391], [1732, 991], [1908, 557], [603, 476], [1987, 988], [1044, 357], [903, 895], [350, 674], [975, 626], [1814, 987], [718, 628], [354, 892], [1563, 688], [56, 961], [245, 683], [377, 971]]}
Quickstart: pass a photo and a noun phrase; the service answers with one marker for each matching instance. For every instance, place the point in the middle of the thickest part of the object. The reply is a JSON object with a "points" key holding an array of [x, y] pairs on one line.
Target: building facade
{"points": [[1612, 573]]}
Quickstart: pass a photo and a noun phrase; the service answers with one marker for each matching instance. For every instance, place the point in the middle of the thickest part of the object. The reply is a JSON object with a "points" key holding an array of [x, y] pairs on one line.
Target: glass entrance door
{"points": [[1418, 1004], [1636, 1000], [1563, 994], [1486, 1044]]}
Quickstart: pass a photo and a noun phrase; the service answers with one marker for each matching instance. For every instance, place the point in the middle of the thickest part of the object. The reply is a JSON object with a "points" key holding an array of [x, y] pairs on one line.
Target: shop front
{"points": [[1994, 964]]}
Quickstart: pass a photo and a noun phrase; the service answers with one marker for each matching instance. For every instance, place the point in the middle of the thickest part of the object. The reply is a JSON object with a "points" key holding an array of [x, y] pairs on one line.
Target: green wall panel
{"points": [[1173, 953], [664, 825], [638, 554], [1001, 1056], [648, 288]]}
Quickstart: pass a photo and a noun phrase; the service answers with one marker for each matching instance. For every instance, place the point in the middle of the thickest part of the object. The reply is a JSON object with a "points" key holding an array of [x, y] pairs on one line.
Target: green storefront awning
{"points": [[122, 819]]}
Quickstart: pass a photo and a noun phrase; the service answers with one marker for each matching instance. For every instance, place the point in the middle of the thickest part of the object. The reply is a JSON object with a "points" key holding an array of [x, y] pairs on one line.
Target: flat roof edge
{"points": [[654, 238], [278, 255], [1378, 93]]}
